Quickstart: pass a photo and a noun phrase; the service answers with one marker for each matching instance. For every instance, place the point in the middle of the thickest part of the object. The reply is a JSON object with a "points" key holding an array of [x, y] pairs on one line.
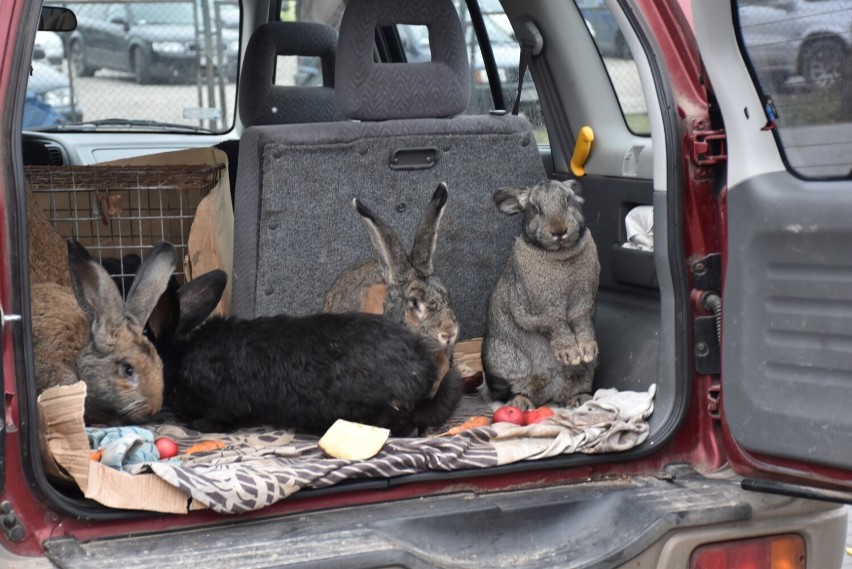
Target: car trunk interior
{"points": [[293, 179]]}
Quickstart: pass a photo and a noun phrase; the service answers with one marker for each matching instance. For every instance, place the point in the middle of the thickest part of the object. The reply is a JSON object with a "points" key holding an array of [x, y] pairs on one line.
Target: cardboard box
{"points": [[65, 451]]}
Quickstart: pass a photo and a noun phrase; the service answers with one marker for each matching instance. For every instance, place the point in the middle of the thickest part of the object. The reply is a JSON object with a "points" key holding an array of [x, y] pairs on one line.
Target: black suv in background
{"points": [[155, 41]]}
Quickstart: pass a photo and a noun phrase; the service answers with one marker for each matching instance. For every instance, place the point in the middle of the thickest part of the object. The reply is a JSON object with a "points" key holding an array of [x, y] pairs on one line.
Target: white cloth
{"points": [[639, 225]]}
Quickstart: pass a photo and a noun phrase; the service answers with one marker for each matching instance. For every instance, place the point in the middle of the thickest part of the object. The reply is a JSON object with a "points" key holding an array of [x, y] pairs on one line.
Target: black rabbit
{"points": [[224, 373]]}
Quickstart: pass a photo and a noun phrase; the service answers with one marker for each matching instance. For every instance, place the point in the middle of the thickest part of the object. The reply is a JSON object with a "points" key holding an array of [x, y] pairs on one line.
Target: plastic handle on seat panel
{"points": [[582, 149]]}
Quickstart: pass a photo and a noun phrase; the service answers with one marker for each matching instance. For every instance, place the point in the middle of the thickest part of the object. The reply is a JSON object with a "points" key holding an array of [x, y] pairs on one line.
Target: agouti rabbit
{"points": [[400, 285], [92, 335], [301, 372], [539, 344]]}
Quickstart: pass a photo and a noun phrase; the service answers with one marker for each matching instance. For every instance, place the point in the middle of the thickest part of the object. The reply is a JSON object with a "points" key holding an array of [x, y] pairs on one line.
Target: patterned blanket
{"points": [[257, 467]]}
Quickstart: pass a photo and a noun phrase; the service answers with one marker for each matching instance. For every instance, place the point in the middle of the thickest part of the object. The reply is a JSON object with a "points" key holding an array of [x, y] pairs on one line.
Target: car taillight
{"points": [[777, 552]]}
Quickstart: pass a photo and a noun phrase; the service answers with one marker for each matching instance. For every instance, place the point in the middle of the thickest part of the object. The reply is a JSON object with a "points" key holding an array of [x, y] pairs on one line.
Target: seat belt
{"points": [[531, 43]]}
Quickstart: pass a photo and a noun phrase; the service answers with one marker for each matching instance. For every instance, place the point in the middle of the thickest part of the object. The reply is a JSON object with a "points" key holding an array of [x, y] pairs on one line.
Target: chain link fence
{"points": [[156, 62]]}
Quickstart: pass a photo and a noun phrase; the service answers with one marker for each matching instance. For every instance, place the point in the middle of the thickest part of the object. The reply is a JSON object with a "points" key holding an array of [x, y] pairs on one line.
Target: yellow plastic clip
{"points": [[582, 149]]}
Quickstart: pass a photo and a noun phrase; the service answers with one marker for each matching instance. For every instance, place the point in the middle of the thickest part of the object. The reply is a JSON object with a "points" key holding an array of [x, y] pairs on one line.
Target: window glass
{"points": [[601, 24], [169, 66], [507, 53], [800, 52], [619, 64]]}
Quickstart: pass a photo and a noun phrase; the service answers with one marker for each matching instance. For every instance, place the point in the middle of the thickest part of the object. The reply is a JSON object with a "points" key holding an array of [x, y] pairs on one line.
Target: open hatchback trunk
{"points": [[721, 312]]}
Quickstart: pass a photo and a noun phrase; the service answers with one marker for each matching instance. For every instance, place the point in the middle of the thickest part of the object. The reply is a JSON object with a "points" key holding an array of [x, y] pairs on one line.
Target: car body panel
{"points": [[783, 362]]}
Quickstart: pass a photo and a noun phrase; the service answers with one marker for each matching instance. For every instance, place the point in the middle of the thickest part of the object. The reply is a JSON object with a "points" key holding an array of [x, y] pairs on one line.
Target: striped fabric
{"points": [[258, 467]]}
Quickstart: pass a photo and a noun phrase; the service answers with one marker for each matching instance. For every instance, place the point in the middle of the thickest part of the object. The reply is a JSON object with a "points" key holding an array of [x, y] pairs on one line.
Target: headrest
{"points": [[262, 102], [369, 90]]}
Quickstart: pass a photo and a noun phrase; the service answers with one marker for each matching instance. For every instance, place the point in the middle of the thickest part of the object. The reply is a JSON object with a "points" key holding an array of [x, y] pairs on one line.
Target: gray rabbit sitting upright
{"points": [[539, 344]]}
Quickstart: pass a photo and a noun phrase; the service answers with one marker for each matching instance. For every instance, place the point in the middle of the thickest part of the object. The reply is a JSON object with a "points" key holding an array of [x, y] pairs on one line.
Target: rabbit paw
{"points": [[588, 351], [578, 399], [522, 402], [569, 355]]}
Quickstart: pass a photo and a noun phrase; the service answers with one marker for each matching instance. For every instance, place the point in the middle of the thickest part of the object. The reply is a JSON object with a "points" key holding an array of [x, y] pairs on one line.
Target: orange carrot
{"points": [[205, 446], [473, 422]]}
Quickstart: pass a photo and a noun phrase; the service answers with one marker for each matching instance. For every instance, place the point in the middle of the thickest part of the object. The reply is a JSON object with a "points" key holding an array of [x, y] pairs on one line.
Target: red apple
{"points": [[509, 414], [538, 415], [166, 447]]}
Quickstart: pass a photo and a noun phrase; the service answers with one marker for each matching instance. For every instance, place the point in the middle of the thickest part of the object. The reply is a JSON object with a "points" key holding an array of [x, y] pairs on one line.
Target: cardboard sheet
{"points": [[66, 456]]}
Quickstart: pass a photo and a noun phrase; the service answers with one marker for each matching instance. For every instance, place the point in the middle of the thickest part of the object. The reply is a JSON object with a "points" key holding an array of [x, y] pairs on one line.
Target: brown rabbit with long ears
{"points": [[92, 335], [398, 284]]}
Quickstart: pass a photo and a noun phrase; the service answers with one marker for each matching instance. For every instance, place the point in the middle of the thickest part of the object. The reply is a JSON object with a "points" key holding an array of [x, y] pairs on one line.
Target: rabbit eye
{"points": [[414, 303], [127, 371]]}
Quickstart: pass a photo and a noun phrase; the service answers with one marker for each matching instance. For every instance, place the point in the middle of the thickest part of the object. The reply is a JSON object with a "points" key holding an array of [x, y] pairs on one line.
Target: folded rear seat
{"points": [[296, 230]]}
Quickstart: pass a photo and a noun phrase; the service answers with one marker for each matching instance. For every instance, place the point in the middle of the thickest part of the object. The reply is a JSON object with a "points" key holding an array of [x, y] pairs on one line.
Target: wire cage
{"points": [[116, 211]]}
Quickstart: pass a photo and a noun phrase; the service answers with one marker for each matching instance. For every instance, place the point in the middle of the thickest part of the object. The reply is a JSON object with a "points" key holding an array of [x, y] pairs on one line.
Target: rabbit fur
{"points": [[88, 333], [400, 285], [539, 344], [224, 373], [47, 252]]}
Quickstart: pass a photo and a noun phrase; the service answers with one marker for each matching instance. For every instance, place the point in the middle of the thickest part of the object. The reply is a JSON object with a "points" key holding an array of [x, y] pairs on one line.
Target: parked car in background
{"points": [[52, 45], [602, 25], [156, 41], [797, 43], [49, 100]]}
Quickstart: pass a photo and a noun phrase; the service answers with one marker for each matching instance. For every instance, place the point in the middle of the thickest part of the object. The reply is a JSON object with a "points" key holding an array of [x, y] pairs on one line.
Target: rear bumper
{"points": [[625, 523]]}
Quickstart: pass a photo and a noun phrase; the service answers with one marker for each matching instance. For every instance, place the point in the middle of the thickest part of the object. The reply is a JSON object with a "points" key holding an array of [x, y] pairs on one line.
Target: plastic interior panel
{"points": [[787, 319]]}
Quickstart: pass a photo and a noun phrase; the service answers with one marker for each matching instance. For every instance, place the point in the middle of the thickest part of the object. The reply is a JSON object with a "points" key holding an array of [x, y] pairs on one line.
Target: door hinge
{"points": [[707, 147], [707, 356]]}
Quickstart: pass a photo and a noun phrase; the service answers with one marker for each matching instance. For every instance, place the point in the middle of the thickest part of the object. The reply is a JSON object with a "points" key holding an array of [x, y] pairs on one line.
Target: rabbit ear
{"points": [[94, 289], [387, 248], [199, 297], [426, 236], [150, 282], [512, 200], [163, 321]]}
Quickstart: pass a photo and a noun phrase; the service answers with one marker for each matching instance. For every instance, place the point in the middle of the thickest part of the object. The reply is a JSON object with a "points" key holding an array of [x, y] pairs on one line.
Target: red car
{"points": [[717, 432]]}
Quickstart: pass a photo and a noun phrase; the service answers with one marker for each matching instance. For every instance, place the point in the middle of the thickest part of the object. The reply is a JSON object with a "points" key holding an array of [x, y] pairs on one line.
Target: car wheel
{"points": [[141, 67], [78, 61], [822, 62]]}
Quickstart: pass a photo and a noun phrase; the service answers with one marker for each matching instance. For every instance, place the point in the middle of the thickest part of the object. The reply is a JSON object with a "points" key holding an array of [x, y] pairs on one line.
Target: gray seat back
{"points": [[296, 230], [262, 102]]}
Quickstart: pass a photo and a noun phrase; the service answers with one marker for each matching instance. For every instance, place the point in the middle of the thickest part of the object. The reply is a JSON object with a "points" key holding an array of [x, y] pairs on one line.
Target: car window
{"points": [[504, 45], [619, 64], [116, 12], [152, 66], [800, 53], [601, 24]]}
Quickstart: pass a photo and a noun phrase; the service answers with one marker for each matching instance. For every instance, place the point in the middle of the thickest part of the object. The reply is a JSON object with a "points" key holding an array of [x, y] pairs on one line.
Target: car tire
{"points": [[141, 67], [78, 61], [822, 63]]}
